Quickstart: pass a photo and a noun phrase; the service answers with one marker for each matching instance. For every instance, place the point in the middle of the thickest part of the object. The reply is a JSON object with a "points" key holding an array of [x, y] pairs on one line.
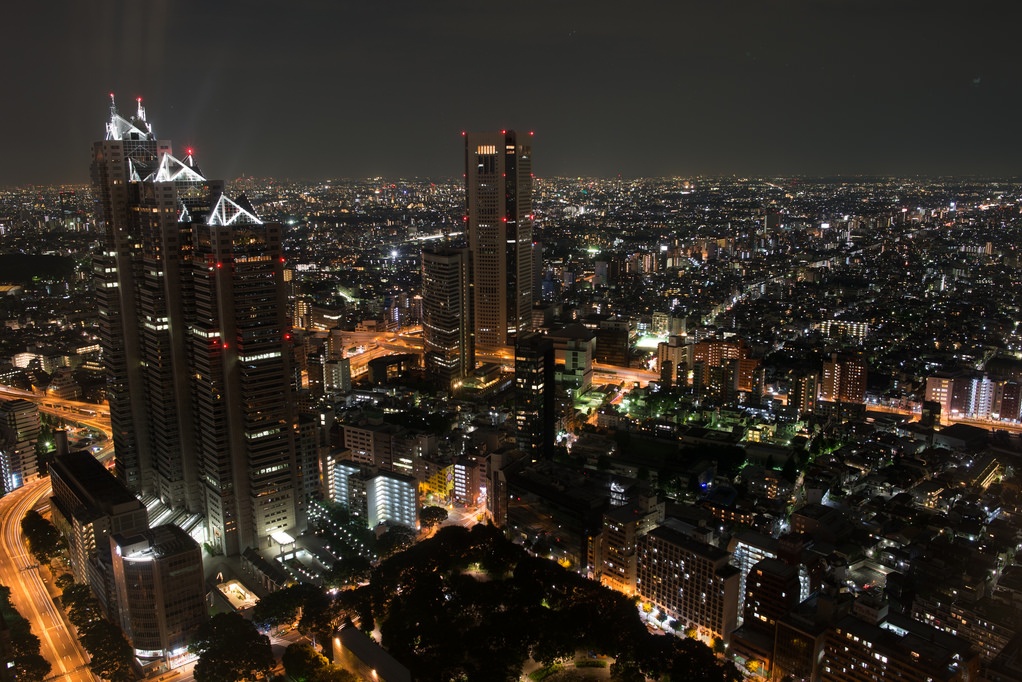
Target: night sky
{"points": [[346, 88]]}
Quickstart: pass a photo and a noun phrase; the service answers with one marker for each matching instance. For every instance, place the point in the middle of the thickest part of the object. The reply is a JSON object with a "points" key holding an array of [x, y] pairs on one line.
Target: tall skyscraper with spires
{"points": [[498, 194], [195, 340]]}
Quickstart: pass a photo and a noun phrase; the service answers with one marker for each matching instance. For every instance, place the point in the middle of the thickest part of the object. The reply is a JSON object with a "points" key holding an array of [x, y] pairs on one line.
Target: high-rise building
{"points": [[88, 505], [195, 340], [375, 495], [161, 593], [535, 394], [19, 432], [689, 580], [245, 419], [498, 192], [446, 316], [129, 152], [844, 380], [802, 394]]}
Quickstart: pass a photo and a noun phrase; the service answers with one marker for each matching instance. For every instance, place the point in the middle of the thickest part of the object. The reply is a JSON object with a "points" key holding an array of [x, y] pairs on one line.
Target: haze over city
{"points": [[326, 89]]}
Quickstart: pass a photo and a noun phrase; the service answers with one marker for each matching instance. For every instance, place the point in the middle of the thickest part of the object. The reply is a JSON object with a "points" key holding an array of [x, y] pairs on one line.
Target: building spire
{"points": [[120, 128]]}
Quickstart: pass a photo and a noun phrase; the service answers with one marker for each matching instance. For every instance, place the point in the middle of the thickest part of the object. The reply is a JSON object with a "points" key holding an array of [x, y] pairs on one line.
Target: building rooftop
{"points": [[91, 479]]}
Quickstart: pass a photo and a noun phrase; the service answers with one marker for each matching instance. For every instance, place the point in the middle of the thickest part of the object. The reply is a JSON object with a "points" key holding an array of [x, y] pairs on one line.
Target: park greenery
{"points": [[26, 662], [303, 663], [230, 647], [111, 655], [470, 605]]}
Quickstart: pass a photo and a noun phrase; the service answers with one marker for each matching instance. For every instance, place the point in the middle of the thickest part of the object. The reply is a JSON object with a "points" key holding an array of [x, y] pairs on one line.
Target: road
{"points": [[29, 594], [18, 569]]}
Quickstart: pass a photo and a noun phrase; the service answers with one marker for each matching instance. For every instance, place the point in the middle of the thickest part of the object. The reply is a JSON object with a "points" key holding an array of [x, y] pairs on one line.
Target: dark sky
{"points": [[352, 88]]}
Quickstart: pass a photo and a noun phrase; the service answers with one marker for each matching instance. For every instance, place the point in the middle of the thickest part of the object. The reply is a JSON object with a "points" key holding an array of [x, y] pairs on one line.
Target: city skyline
{"points": [[807, 88]]}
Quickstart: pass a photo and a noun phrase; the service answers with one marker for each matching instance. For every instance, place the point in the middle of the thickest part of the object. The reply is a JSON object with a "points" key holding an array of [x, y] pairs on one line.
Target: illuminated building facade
{"points": [[89, 504], [446, 316], [689, 580], [19, 432], [844, 380], [195, 340], [376, 496], [498, 192], [161, 593], [895, 647], [535, 394]]}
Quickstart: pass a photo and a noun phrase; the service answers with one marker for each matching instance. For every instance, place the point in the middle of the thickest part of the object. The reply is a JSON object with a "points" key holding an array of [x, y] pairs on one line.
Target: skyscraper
{"points": [[535, 408], [195, 340], [161, 595], [498, 193], [129, 152], [446, 318]]}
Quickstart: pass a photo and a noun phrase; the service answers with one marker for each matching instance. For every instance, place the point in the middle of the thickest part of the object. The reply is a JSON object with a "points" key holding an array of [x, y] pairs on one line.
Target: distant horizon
{"points": [[834, 177]]}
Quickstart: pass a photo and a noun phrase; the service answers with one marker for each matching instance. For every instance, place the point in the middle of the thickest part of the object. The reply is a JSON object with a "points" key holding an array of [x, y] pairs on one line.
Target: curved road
{"points": [[19, 571]]}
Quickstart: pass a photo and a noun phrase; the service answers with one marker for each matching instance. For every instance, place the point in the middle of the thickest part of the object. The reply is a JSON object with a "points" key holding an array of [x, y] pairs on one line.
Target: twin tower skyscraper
{"points": [[195, 340], [482, 296], [196, 343]]}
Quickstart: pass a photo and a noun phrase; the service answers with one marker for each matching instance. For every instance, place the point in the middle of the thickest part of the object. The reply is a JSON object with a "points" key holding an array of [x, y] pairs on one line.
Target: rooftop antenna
{"points": [[141, 109]]}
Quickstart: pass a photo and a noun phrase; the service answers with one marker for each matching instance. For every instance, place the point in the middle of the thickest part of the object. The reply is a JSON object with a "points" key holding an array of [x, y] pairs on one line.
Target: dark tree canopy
{"points": [[28, 664], [432, 516], [230, 648], [43, 539], [468, 604], [111, 655], [304, 664]]}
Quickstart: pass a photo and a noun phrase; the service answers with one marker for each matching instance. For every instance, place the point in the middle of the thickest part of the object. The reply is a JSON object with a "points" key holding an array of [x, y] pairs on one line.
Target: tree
{"points": [[304, 664], [230, 648], [30, 667], [26, 663], [82, 608], [396, 539], [109, 651], [301, 661], [432, 516], [43, 539], [281, 607], [354, 568]]}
